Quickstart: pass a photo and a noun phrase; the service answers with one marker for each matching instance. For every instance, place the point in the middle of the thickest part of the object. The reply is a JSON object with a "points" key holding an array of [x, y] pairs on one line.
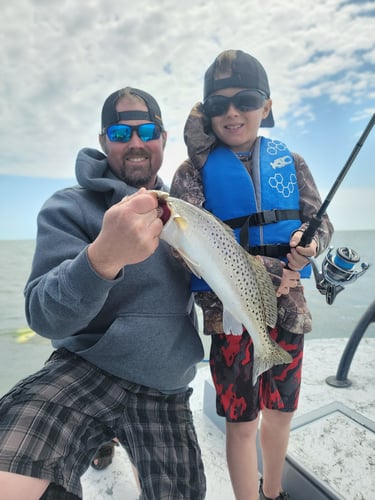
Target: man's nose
{"points": [[135, 140]]}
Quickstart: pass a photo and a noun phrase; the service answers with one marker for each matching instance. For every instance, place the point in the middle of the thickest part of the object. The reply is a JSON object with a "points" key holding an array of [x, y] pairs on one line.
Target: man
{"points": [[117, 306]]}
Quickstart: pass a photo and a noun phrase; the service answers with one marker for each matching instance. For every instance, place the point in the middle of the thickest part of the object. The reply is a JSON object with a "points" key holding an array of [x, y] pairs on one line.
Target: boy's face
{"points": [[239, 129]]}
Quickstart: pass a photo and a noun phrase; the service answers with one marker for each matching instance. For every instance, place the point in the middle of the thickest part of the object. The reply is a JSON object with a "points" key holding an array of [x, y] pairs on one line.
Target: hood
{"points": [[198, 136]]}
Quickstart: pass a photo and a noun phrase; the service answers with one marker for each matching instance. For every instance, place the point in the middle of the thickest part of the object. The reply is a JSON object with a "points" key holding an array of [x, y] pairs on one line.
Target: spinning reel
{"points": [[338, 270]]}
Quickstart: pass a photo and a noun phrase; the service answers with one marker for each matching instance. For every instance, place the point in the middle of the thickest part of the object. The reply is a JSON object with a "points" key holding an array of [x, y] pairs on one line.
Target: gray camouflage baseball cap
{"points": [[246, 72]]}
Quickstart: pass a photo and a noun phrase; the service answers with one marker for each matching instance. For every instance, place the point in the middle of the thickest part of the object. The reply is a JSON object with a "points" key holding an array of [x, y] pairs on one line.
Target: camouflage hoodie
{"points": [[293, 313]]}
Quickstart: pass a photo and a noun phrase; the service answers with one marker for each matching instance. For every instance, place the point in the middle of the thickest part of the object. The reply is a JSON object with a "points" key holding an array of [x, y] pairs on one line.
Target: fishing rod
{"points": [[338, 269]]}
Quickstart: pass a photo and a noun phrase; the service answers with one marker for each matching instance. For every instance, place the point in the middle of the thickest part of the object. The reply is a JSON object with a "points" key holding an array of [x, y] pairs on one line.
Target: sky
{"points": [[60, 60]]}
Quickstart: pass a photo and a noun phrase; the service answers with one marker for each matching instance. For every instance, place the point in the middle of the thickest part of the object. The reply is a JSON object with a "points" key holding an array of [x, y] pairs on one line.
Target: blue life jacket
{"points": [[262, 209]]}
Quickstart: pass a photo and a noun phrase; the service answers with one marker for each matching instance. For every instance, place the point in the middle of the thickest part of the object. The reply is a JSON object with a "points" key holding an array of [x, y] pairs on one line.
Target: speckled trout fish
{"points": [[239, 279]]}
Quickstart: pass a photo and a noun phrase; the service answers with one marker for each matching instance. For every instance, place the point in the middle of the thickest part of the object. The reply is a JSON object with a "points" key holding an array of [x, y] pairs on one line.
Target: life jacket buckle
{"points": [[265, 217]]}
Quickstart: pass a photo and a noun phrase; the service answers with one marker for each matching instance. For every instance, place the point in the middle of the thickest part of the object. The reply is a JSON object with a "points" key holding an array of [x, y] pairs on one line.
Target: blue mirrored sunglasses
{"points": [[245, 100], [120, 132]]}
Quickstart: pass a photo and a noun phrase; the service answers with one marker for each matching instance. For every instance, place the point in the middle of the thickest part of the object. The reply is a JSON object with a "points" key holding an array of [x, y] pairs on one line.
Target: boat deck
{"points": [[332, 441]]}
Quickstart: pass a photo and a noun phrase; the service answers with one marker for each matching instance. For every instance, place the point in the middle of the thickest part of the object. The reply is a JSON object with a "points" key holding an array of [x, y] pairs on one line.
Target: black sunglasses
{"points": [[245, 100], [119, 132]]}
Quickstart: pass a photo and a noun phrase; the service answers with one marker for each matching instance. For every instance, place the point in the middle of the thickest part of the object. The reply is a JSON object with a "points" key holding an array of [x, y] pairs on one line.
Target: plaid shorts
{"points": [[53, 422], [231, 363]]}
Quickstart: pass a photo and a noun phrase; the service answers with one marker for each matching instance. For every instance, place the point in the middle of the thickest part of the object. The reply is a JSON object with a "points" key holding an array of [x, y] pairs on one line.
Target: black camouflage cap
{"points": [[110, 115], [246, 72]]}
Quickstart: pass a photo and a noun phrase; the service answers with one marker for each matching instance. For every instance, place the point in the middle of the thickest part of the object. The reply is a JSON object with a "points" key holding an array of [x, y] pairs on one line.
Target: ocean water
{"points": [[22, 353]]}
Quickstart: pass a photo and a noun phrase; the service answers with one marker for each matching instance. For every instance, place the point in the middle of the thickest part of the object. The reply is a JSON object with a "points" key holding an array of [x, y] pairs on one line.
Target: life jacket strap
{"points": [[275, 251], [262, 218]]}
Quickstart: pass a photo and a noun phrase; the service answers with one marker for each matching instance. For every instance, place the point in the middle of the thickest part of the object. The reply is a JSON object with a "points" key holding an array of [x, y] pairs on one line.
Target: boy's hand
{"points": [[298, 257]]}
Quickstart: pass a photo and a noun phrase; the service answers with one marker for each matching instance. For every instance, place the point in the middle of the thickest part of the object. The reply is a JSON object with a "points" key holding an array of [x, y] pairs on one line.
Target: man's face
{"points": [[135, 162]]}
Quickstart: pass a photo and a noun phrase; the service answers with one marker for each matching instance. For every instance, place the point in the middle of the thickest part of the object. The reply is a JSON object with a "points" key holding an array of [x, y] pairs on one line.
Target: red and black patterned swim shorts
{"points": [[231, 363]]}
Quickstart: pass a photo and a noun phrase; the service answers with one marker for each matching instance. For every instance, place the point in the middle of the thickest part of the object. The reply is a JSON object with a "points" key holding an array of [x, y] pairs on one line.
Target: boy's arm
{"points": [[187, 184]]}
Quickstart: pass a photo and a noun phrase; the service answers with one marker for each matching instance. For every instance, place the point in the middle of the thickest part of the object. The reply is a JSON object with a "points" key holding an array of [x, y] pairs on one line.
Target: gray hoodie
{"points": [[140, 326]]}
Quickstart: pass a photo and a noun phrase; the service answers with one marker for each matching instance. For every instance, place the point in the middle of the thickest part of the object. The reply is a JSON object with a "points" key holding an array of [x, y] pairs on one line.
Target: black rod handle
{"points": [[310, 231]]}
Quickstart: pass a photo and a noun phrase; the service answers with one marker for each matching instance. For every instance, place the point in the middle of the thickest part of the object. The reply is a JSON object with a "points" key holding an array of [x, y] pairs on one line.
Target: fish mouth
{"points": [[164, 211]]}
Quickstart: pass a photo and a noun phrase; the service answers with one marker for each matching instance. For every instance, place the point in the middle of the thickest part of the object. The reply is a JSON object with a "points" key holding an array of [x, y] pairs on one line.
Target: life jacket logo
{"points": [[281, 162], [274, 147], [283, 186]]}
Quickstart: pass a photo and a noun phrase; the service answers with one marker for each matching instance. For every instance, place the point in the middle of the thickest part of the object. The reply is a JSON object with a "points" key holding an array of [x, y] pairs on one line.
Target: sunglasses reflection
{"points": [[120, 132]]}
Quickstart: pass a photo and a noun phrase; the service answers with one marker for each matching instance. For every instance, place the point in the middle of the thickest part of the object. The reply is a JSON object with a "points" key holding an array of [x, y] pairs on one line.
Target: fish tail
{"points": [[265, 361]]}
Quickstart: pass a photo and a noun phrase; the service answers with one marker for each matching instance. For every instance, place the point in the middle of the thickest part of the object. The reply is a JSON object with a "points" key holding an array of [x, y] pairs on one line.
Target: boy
{"points": [[267, 195]]}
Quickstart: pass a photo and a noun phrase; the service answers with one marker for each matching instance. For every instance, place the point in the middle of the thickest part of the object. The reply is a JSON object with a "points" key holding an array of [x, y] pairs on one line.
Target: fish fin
{"points": [[276, 356], [266, 290], [180, 221], [193, 266], [230, 324], [225, 226]]}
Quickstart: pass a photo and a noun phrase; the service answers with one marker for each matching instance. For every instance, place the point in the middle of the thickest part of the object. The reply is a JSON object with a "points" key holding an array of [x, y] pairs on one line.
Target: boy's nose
{"points": [[232, 110]]}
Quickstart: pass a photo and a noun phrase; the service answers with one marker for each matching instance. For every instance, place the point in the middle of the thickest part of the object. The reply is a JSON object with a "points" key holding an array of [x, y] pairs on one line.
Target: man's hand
{"points": [[129, 234], [298, 256]]}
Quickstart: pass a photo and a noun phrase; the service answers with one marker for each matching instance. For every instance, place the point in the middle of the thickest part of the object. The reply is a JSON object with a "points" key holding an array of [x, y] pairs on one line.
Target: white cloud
{"points": [[60, 60]]}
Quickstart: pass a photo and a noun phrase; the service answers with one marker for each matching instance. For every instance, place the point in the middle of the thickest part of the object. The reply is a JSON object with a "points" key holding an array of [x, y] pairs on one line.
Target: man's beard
{"points": [[137, 177]]}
